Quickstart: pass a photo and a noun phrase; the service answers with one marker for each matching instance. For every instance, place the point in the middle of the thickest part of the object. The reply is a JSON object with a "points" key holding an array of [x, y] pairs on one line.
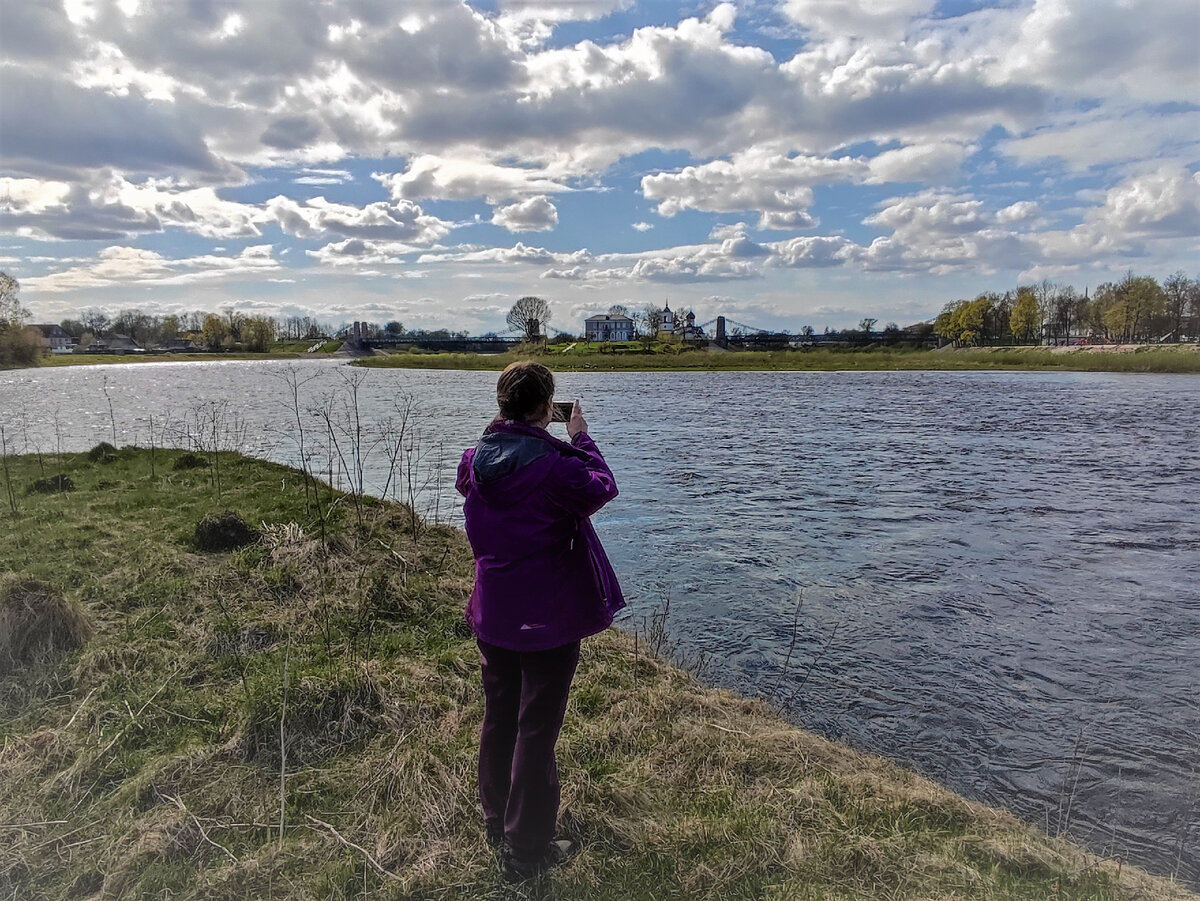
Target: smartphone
{"points": [[562, 411]]}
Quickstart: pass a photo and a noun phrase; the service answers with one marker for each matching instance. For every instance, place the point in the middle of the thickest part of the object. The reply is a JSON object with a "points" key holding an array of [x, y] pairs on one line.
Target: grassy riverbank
{"points": [[103, 359], [297, 718], [1180, 358]]}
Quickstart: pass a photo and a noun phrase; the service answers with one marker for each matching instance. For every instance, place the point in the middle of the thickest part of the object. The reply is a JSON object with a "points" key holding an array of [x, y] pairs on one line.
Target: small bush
{"points": [[189, 461], [36, 623], [224, 531], [51, 485], [102, 453]]}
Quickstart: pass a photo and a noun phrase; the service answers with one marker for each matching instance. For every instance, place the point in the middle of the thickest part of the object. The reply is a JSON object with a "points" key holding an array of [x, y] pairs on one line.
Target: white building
{"points": [[608, 328], [55, 338], [669, 325]]}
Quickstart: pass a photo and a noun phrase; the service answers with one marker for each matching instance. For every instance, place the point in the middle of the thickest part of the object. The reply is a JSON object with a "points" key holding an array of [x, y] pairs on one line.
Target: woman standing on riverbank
{"points": [[542, 584]]}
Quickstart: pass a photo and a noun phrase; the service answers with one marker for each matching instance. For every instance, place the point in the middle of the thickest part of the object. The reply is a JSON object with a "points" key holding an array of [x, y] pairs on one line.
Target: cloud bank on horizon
{"points": [[787, 163]]}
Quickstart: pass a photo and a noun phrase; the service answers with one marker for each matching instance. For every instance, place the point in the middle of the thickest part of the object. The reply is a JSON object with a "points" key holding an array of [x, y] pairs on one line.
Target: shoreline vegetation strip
{"points": [[297, 717], [1183, 358]]}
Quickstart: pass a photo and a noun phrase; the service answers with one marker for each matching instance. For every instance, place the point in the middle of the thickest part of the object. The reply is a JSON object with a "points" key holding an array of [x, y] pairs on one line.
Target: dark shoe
{"points": [[495, 835], [517, 869]]}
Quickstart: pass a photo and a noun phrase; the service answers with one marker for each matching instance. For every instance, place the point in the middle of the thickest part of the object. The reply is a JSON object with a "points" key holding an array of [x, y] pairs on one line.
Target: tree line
{"points": [[1137, 309]]}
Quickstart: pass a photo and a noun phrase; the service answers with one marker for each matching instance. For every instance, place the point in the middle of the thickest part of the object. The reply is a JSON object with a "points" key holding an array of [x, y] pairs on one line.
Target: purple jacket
{"points": [[541, 577]]}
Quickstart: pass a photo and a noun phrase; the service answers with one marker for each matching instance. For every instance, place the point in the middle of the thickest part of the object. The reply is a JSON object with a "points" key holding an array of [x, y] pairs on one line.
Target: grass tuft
{"points": [[103, 453], [36, 623], [189, 460], [224, 531], [51, 485]]}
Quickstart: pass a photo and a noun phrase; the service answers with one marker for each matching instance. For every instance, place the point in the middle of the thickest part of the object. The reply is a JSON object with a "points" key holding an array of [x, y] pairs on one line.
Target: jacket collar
{"points": [[513, 427]]}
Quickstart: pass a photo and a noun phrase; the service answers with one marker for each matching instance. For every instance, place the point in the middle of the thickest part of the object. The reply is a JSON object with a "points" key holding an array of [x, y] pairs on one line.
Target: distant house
{"points": [[115, 344], [608, 328], [55, 338]]}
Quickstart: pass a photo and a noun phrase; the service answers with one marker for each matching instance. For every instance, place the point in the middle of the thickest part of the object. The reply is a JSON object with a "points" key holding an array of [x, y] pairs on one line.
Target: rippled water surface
{"points": [[997, 574]]}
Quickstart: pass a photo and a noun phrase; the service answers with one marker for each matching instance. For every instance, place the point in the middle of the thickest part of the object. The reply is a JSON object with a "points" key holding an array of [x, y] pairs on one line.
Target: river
{"points": [[991, 577]]}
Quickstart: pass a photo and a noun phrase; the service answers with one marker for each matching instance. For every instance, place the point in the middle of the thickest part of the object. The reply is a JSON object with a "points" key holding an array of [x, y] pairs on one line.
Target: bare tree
{"points": [[11, 310], [652, 317], [95, 321], [529, 316], [1178, 288]]}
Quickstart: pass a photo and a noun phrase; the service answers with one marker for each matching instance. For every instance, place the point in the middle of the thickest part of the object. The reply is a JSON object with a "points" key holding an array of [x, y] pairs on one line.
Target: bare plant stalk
{"points": [[282, 743], [58, 436], [787, 662], [335, 448], [153, 473], [291, 378], [1066, 794], [112, 418], [394, 435], [812, 664], [12, 498], [216, 455]]}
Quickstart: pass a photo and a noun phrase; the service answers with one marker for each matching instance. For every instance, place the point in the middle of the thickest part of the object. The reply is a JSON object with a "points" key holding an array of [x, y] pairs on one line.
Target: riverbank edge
{"points": [[1161, 359], [155, 745], [1097, 358]]}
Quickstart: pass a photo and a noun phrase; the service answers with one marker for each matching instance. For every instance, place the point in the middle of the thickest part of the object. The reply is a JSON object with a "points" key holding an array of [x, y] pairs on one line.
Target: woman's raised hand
{"points": [[577, 423]]}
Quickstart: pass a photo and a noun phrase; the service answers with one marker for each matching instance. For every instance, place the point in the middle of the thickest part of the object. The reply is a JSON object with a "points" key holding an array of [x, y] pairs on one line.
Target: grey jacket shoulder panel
{"points": [[499, 454]]}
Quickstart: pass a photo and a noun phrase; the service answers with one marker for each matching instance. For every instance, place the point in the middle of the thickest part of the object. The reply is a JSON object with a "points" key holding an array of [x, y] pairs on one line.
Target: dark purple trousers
{"points": [[525, 698]]}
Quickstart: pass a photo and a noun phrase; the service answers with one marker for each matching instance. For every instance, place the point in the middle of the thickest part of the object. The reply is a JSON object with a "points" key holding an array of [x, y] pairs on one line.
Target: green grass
{"points": [[674, 357], [147, 762], [102, 359]]}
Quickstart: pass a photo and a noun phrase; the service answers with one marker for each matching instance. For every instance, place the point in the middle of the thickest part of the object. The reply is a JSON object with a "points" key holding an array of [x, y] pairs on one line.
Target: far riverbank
{"points": [[1178, 358], [1184, 358]]}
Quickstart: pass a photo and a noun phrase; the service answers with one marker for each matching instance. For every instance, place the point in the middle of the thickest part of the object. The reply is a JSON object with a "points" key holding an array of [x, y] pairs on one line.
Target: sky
{"points": [[780, 162]]}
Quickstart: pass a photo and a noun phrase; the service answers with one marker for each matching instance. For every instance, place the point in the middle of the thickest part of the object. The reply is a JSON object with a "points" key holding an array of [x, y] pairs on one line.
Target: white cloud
{"points": [[1021, 211], [1108, 48], [400, 221], [806, 252], [935, 162], [53, 128], [532, 22], [518, 253], [642, 226], [1158, 206], [1103, 137], [769, 183], [433, 177], [360, 252], [122, 265], [857, 18], [107, 207], [534, 214]]}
